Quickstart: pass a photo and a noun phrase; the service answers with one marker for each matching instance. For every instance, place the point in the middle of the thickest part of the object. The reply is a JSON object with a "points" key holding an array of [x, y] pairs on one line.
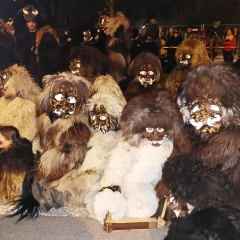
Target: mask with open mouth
{"points": [[146, 75], [75, 67], [100, 119], [155, 136], [185, 58], [205, 115]]}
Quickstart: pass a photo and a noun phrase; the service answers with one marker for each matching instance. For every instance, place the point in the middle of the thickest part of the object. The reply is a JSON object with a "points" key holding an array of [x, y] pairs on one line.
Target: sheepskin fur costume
{"points": [[61, 140], [80, 186], [18, 105], [135, 163], [208, 192], [92, 62], [198, 55], [64, 139], [142, 60]]}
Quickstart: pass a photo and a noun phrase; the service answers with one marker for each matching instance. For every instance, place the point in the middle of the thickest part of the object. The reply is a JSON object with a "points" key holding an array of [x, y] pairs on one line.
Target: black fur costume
{"points": [[15, 162], [216, 201]]}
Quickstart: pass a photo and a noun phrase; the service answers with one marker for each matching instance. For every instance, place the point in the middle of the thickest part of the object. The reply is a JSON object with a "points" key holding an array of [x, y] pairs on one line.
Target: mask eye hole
{"points": [[103, 118], [195, 109], [188, 56], [143, 72], [59, 97], [93, 117], [78, 65], [149, 130], [214, 107], [150, 72], [71, 99], [5, 76], [160, 129]]}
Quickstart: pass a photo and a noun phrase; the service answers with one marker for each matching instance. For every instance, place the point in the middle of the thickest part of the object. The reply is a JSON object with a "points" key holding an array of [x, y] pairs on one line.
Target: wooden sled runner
{"points": [[129, 224], [135, 223]]}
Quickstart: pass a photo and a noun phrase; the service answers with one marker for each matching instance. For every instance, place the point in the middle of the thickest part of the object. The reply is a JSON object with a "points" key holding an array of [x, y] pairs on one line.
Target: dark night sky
{"points": [[167, 12]]}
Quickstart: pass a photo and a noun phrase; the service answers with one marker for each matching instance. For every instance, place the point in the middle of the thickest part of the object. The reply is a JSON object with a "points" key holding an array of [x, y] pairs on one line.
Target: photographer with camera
{"points": [[229, 43]]}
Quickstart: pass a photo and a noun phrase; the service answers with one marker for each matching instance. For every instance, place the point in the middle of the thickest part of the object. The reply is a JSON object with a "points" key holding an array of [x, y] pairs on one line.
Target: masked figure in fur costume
{"points": [[18, 101], [16, 159], [190, 53], [63, 135], [87, 61], [79, 186], [209, 101], [144, 74], [148, 124], [210, 201], [118, 48]]}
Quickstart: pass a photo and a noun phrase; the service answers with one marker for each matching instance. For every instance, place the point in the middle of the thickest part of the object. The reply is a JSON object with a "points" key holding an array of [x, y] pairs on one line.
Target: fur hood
{"points": [[216, 81], [155, 110]]}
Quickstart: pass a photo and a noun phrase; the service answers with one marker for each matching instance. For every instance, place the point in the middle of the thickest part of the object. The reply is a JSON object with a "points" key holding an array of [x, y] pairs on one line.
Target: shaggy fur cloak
{"points": [[220, 149], [19, 110], [62, 139], [134, 165], [199, 55]]}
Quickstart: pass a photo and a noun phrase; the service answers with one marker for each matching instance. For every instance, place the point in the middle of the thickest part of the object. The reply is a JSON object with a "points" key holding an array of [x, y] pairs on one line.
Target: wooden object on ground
{"points": [[129, 224]]}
